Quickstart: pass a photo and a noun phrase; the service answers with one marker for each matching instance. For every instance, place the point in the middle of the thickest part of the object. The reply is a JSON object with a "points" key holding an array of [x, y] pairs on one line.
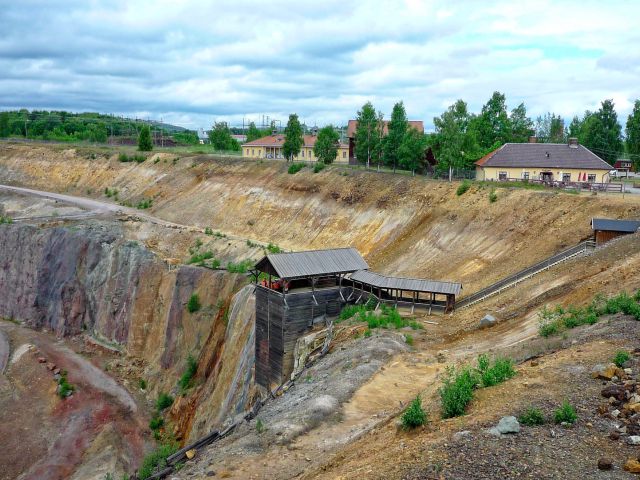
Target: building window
{"points": [[525, 176], [252, 152], [591, 178], [502, 176], [247, 153], [302, 153], [566, 177], [344, 154]]}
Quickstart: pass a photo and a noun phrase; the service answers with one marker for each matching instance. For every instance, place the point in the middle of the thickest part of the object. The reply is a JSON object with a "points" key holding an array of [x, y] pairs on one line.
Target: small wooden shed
{"points": [[606, 229]]}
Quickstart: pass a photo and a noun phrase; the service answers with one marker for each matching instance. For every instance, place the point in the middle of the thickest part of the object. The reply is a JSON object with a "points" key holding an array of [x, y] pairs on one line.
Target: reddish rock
{"points": [[614, 435], [615, 391], [42, 360], [632, 465], [51, 366], [56, 371]]}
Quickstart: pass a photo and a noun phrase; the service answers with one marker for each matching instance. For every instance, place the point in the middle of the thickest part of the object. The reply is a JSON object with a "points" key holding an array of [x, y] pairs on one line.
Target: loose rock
{"points": [[605, 464], [506, 425]]}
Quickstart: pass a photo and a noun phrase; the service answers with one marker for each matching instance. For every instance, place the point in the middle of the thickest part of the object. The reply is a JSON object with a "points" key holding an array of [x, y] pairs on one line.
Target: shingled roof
{"points": [[312, 263], [544, 155]]}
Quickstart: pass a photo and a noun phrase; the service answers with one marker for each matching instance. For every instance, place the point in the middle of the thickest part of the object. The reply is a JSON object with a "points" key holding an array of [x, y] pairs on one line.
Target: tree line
{"points": [[62, 126]]}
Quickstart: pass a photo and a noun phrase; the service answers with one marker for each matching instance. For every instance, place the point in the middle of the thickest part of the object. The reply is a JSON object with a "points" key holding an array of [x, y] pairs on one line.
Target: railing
{"points": [[588, 186], [522, 275]]}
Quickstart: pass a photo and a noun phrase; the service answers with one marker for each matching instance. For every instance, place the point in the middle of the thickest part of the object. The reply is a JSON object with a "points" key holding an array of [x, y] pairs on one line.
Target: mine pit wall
{"points": [[90, 279]]}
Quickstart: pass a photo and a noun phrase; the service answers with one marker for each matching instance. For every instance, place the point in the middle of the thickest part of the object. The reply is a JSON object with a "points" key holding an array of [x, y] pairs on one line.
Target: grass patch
{"points": [[493, 196], [260, 426], [295, 168], [156, 422], [156, 460], [142, 383], [187, 377], [208, 231], [621, 357], [557, 320], [193, 305], [164, 401], [4, 220], [271, 248], [240, 267], [463, 187], [408, 339], [566, 413], [414, 416], [144, 204], [531, 417], [387, 317], [318, 167]]}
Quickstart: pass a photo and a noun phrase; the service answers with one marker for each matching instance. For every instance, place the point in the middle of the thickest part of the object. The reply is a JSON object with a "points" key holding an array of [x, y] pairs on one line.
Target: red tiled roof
{"points": [[353, 124], [278, 141]]}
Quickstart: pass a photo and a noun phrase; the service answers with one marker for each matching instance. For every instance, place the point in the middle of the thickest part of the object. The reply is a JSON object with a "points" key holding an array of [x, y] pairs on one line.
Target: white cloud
{"points": [[192, 62]]}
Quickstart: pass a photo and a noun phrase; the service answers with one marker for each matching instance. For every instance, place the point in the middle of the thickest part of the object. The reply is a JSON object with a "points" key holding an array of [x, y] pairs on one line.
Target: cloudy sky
{"points": [[193, 62]]}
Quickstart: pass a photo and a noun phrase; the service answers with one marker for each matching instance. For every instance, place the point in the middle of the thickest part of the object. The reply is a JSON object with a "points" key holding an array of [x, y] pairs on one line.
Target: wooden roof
{"points": [[409, 284], [312, 263]]}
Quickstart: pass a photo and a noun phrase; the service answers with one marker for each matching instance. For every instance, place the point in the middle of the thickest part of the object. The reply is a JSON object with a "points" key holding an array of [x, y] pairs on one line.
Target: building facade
{"points": [[270, 147], [547, 162]]}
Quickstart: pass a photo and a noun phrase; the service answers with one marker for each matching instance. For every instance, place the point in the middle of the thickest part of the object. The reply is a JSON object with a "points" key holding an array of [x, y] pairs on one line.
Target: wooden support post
{"points": [[413, 303], [340, 287], [432, 297], [313, 290]]}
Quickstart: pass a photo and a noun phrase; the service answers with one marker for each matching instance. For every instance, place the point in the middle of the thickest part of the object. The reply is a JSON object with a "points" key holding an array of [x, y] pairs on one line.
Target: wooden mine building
{"points": [[301, 289], [605, 229]]}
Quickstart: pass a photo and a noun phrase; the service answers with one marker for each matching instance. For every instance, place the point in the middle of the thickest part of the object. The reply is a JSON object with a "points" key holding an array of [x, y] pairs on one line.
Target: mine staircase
{"points": [[512, 280]]}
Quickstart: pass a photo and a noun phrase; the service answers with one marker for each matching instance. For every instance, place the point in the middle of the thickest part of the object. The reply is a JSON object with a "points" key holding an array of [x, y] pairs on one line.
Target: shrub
{"points": [[260, 427], [156, 422], [200, 257], [531, 417], [414, 416], [164, 401], [139, 158], [367, 333], [463, 187], [143, 384], [490, 375], [566, 413], [295, 168], [457, 391], [240, 267], [144, 204], [621, 357], [271, 248], [193, 305], [123, 157], [64, 387], [208, 231], [318, 167], [185, 380], [493, 196], [408, 339], [5, 220], [156, 460]]}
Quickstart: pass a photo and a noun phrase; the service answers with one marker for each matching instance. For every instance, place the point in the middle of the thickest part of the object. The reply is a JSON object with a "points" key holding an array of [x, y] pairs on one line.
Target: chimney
{"points": [[573, 142], [314, 131], [274, 132], [533, 139]]}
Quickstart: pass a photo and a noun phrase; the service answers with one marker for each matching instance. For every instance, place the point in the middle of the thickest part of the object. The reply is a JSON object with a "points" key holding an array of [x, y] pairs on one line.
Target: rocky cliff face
{"points": [[91, 279]]}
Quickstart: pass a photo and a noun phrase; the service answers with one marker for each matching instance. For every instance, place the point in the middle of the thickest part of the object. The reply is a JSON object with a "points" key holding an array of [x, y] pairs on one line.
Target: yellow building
{"points": [[270, 147], [547, 162]]}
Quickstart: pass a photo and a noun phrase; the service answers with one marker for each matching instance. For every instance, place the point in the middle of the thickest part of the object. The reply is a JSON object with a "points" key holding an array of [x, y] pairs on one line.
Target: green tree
{"points": [[5, 130], [493, 124], [144, 139], [633, 134], [455, 142], [412, 149], [294, 139], [603, 133], [550, 128], [326, 147], [221, 139], [521, 125], [253, 133], [575, 128], [367, 135], [397, 129]]}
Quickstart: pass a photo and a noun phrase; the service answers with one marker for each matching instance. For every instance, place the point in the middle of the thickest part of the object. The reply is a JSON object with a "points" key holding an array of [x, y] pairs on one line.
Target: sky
{"points": [[192, 63]]}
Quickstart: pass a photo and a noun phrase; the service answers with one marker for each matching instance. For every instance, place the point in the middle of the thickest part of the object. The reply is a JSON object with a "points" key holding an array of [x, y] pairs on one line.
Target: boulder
{"points": [[487, 321], [633, 440], [615, 391], [506, 425], [607, 372], [461, 435], [605, 464], [190, 453]]}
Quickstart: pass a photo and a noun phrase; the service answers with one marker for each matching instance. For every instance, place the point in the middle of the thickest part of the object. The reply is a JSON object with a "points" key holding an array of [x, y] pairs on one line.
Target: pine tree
{"points": [[367, 135], [603, 133], [144, 139], [397, 129], [633, 135]]}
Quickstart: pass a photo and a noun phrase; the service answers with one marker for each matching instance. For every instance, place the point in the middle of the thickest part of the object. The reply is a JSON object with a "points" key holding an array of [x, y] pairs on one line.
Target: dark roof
{"points": [[313, 262], [626, 226], [534, 155], [411, 284], [353, 125], [278, 141]]}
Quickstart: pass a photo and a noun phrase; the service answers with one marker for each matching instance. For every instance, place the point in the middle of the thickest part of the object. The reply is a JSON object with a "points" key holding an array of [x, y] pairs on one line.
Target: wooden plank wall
{"points": [[279, 326]]}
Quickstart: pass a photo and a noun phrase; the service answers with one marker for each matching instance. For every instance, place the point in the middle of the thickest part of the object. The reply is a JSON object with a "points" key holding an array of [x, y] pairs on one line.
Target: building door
{"points": [[546, 176]]}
